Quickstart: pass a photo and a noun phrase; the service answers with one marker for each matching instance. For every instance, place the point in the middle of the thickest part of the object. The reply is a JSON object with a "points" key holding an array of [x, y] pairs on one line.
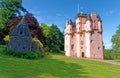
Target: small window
{"points": [[81, 42], [91, 34], [72, 46], [80, 35], [23, 47], [91, 41], [21, 32], [72, 36], [94, 26], [98, 48]]}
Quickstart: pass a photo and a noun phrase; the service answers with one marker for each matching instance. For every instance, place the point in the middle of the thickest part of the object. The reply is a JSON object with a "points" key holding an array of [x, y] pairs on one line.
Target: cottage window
{"points": [[21, 32]]}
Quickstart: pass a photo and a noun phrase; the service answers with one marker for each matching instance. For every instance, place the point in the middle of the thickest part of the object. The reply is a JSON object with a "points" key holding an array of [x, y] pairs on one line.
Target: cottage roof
{"points": [[21, 29]]}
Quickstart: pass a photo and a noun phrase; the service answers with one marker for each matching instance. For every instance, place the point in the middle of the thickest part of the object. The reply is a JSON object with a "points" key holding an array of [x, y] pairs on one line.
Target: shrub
{"points": [[26, 55], [108, 54]]}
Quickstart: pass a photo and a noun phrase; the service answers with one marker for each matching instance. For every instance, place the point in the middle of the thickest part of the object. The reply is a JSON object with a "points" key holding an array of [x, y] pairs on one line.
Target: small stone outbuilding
{"points": [[21, 39]]}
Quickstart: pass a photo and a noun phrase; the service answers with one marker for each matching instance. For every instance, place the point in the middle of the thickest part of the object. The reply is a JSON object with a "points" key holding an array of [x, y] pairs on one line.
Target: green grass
{"points": [[56, 66], [117, 60]]}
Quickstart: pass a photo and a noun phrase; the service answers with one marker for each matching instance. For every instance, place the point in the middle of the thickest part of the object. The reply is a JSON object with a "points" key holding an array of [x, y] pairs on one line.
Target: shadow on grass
{"points": [[61, 69], [44, 68]]}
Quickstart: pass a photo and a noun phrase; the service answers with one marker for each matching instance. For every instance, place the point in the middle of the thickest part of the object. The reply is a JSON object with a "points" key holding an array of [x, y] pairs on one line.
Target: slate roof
{"points": [[21, 29]]}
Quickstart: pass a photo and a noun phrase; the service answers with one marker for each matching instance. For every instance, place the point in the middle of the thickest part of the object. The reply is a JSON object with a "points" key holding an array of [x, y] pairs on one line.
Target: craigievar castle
{"points": [[84, 38]]}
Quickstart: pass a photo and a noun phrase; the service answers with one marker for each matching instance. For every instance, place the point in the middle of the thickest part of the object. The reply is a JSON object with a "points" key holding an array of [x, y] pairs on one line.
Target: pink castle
{"points": [[84, 39]]}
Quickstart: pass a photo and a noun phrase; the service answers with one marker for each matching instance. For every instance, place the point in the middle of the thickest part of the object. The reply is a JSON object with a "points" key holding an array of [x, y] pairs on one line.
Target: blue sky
{"points": [[57, 11]]}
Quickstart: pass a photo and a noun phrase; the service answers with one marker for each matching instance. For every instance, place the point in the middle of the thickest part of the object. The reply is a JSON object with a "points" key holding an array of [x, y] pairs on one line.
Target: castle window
{"points": [[91, 41], [72, 46], [98, 47], [91, 34], [80, 35], [81, 42], [72, 36], [94, 26]]}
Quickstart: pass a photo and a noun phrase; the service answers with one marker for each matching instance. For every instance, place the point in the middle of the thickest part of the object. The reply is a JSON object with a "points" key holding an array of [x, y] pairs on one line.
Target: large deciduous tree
{"points": [[8, 10], [116, 44], [54, 38]]}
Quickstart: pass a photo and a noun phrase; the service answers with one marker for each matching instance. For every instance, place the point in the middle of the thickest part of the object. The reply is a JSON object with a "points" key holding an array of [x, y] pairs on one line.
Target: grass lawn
{"points": [[56, 66], [117, 60]]}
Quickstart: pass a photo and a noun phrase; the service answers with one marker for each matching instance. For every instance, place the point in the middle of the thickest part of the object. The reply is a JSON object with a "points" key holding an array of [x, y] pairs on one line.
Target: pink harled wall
{"points": [[84, 38]]}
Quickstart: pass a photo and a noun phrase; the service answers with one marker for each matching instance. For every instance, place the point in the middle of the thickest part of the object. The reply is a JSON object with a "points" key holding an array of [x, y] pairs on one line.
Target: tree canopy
{"points": [[116, 44], [54, 38], [8, 10]]}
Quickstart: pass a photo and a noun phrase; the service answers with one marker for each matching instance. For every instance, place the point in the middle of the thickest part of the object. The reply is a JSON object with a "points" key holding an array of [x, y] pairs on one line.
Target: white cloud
{"points": [[108, 45], [108, 13], [107, 42]]}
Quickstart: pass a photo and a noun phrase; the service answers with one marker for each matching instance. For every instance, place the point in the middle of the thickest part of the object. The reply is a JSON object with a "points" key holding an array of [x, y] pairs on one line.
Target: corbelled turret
{"points": [[70, 28]]}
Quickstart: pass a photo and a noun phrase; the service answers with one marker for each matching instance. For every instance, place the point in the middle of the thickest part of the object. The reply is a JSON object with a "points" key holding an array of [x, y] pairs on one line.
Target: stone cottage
{"points": [[21, 39]]}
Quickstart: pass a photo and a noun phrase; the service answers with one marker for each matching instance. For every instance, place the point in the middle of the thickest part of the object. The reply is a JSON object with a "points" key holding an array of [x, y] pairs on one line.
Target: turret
{"points": [[96, 22], [69, 27], [99, 25], [80, 21], [88, 25]]}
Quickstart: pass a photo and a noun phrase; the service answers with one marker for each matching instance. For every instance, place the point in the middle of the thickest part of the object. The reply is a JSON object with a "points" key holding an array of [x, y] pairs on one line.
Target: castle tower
{"points": [[96, 48], [68, 34], [85, 38]]}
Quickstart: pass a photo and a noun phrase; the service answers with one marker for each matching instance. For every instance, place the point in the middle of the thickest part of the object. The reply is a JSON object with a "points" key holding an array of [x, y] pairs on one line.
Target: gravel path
{"points": [[108, 61], [111, 62]]}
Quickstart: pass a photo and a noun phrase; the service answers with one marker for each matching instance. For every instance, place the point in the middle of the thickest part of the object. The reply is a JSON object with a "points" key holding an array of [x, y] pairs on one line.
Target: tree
{"points": [[45, 29], [8, 10], [54, 38], [116, 44]]}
